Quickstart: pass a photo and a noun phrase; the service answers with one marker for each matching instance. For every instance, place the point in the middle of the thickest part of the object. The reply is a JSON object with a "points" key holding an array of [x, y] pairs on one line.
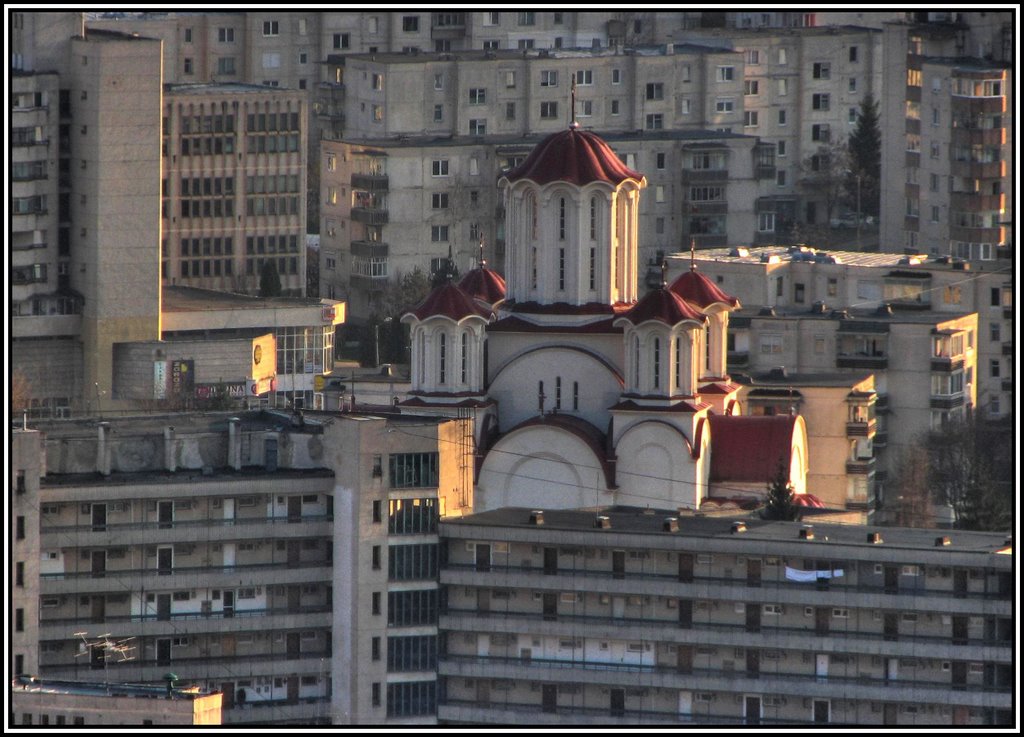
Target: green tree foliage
{"points": [[270, 281], [779, 504], [865, 159]]}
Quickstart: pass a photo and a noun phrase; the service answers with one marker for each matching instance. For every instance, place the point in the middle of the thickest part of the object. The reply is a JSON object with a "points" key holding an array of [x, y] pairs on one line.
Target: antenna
{"points": [[693, 254]]}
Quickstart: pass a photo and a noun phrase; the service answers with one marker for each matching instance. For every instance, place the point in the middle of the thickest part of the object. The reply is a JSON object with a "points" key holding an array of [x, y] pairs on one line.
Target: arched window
{"points": [[442, 375], [636, 361], [465, 351], [657, 363], [678, 359], [558, 392], [531, 214], [593, 218], [533, 267], [561, 218], [707, 347], [561, 269]]}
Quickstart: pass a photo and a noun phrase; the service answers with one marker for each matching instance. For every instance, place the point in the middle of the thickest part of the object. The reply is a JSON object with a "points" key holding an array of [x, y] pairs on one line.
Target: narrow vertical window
{"points": [[561, 219], [561, 268], [593, 266], [540, 396], [531, 214], [636, 361], [533, 259], [678, 371], [558, 392], [593, 218], [465, 350], [707, 348], [657, 363], [575, 395], [443, 348]]}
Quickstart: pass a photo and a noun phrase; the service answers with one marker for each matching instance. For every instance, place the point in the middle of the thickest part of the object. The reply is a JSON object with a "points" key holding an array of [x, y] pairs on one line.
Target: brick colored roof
{"points": [[576, 156], [664, 306], [748, 449], [484, 284], [448, 300], [694, 287]]}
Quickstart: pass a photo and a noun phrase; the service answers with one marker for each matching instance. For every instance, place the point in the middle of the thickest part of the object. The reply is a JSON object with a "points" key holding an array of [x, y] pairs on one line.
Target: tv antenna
{"points": [[103, 642]]}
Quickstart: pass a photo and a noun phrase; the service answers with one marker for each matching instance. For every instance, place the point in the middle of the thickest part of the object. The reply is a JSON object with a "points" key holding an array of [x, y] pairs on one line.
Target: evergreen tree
{"points": [[270, 281], [779, 504], [865, 159]]}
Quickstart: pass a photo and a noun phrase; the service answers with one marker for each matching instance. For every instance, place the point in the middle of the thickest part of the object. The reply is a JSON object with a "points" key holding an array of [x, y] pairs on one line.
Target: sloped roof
{"points": [[749, 449], [484, 284], [696, 288], [448, 300], [575, 156], [664, 306]]}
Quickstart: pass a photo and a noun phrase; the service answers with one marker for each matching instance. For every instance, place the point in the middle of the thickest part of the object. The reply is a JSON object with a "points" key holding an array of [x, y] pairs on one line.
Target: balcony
{"points": [[975, 235], [370, 182], [881, 439], [369, 249], [976, 202], [976, 169], [708, 240], [861, 360], [1007, 313], [706, 208], [705, 175], [947, 401], [857, 429], [983, 136], [947, 363], [370, 216], [1008, 348], [881, 404], [913, 126], [860, 466]]}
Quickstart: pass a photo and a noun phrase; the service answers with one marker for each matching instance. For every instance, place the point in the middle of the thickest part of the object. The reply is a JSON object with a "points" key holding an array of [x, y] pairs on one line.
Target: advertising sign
{"points": [[160, 379], [264, 357], [183, 377], [262, 386]]}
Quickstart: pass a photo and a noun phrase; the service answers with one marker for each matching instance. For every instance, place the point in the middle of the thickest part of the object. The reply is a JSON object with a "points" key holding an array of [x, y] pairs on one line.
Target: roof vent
{"points": [[819, 308], [537, 517], [766, 312], [739, 527], [875, 537], [671, 525], [942, 541], [806, 533], [778, 372], [684, 512], [603, 522], [884, 309], [739, 251], [840, 315]]}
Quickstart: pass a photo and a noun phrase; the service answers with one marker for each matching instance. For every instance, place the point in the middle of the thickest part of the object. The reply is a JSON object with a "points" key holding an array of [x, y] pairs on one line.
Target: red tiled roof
{"points": [[697, 288], [719, 388], [681, 406], [449, 301], [515, 324], [748, 449], [564, 308], [485, 284], [575, 156], [808, 500], [664, 306]]}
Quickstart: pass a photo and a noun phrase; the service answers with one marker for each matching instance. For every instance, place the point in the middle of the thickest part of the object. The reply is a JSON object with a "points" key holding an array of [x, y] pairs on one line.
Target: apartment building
{"points": [[234, 186], [26, 469], [631, 616], [802, 89], [947, 173], [797, 279], [210, 545], [58, 703]]}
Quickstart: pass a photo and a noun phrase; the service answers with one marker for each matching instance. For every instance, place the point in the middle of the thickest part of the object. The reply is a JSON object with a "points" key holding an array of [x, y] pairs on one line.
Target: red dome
{"points": [[449, 301], [665, 306], [575, 156], [696, 288], [484, 284]]}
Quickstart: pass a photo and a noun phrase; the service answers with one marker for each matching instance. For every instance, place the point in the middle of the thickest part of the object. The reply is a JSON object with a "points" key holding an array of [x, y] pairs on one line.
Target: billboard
{"points": [[264, 358], [160, 379], [183, 377]]}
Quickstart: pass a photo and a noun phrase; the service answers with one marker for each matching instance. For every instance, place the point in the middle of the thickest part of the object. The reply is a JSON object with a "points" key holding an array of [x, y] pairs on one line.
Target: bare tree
{"points": [[823, 176], [21, 392], [909, 500]]}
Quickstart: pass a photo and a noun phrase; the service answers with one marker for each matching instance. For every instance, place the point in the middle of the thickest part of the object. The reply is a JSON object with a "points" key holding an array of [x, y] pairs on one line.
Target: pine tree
{"points": [[270, 281], [865, 159], [779, 504]]}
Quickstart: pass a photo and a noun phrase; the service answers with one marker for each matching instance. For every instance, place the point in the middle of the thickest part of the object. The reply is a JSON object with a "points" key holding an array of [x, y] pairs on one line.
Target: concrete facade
{"points": [[654, 618]]}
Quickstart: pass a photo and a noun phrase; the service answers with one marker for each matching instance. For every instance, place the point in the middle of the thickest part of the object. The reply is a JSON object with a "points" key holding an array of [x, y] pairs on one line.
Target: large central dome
{"points": [[575, 156]]}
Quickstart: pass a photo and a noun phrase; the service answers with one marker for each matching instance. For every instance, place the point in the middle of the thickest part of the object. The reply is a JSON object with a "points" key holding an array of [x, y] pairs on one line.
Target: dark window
{"points": [[412, 562], [412, 516], [375, 648], [19, 527], [416, 653], [412, 699], [413, 470], [412, 607], [19, 620]]}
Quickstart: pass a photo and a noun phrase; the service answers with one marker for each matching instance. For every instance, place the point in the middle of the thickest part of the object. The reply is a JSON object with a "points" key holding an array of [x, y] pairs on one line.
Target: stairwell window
{"points": [[442, 348]]}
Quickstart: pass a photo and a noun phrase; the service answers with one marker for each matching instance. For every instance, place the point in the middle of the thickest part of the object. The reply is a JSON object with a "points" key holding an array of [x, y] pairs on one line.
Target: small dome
{"points": [[448, 300], [484, 284], [696, 288], [665, 306], [575, 156]]}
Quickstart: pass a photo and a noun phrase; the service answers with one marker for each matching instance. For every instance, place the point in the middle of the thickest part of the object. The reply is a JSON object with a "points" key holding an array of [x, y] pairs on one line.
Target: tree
{"points": [[823, 176], [21, 392], [908, 499], [449, 271], [779, 504], [865, 160], [971, 470], [312, 272], [270, 281]]}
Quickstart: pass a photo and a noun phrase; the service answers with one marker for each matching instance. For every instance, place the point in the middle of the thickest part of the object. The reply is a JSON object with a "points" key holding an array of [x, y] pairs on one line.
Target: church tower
{"points": [[571, 224]]}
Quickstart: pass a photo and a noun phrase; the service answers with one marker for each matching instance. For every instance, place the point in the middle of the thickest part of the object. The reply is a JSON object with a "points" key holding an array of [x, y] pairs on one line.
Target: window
{"points": [[439, 201], [750, 119], [271, 61], [766, 222], [406, 608], [771, 344], [341, 40], [411, 23], [412, 653], [783, 87], [477, 96], [820, 101], [822, 70], [724, 105], [548, 110], [615, 107], [584, 77], [753, 56], [725, 74], [852, 84], [492, 19], [659, 160], [226, 35], [527, 19], [780, 148], [525, 43], [439, 233], [655, 91], [19, 533], [414, 516], [226, 65], [820, 132], [271, 28], [798, 293], [188, 65], [438, 113], [854, 51], [654, 121], [751, 87], [439, 168], [851, 115], [477, 127], [616, 76], [548, 78]]}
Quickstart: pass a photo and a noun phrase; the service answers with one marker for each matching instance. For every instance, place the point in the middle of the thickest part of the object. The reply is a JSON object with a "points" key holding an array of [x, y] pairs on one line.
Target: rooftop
{"points": [[780, 254], [206, 88], [32, 684], [694, 46], [194, 299], [651, 522]]}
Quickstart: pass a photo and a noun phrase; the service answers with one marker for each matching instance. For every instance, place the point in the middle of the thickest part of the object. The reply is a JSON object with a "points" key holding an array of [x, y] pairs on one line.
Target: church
{"points": [[585, 393]]}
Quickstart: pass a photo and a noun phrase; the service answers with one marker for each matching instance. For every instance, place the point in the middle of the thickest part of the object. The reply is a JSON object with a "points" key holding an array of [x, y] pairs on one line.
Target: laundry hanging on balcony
{"points": [[793, 574]]}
